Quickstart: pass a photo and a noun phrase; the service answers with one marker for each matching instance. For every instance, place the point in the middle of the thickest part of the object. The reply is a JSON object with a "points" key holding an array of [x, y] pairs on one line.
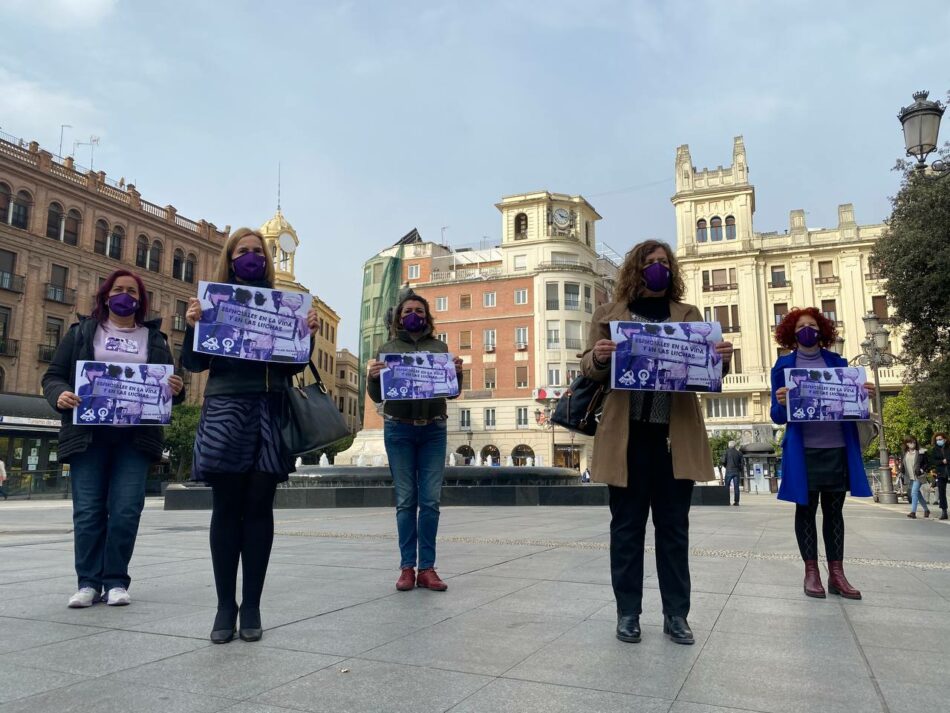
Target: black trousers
{"points": [[650, 488], [242, 530], [942, 492]]}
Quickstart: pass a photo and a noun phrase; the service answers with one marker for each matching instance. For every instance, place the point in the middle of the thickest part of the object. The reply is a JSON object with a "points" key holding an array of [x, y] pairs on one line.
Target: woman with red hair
{"points": [[821, 461]]}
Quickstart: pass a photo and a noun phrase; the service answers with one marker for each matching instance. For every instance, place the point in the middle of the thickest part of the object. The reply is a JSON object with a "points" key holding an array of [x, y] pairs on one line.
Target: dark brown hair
{"points": [[630, 283], [397, 313]]}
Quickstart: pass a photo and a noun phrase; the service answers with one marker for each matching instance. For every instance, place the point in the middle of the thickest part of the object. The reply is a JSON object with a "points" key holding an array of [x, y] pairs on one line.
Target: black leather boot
{"points": [[628, 628], [678, 630]]}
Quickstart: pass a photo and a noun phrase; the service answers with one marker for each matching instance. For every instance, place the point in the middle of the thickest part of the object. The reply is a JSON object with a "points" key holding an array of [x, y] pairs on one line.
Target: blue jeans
{"points": [[730, 477], [916, 497], [108, 484], [417, 463]]}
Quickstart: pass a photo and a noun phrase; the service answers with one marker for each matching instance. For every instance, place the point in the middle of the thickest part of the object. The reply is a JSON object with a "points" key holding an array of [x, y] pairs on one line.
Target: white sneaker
{"points": [[85, 597], [118, 597]]}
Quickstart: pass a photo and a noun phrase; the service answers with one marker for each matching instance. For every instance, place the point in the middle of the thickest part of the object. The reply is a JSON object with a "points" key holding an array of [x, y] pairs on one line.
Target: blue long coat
{"points": [[794, 487]]}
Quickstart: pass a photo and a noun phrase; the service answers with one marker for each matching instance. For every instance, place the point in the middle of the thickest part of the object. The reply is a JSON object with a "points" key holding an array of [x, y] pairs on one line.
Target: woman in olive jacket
{"points": [[650, 447]]}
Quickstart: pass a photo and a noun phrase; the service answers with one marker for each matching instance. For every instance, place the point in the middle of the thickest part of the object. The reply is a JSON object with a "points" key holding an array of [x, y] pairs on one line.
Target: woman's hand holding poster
{"points": [[123, 394], [418, 375], [254, 323], [829, 394], [666, 356]]}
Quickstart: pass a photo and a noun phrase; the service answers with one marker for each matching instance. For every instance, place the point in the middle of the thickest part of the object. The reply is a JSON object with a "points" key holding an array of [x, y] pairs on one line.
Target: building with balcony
{"points": [[347, 382], [748, 281], [517, 313]]}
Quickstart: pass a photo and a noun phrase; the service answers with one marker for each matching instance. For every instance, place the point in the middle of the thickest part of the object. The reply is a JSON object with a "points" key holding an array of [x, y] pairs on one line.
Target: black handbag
{"points": [[580, 407], [310, 419]]}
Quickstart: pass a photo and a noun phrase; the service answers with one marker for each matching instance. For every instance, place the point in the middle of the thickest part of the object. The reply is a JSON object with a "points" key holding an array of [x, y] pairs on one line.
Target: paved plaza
{"points": [[526, 625]]}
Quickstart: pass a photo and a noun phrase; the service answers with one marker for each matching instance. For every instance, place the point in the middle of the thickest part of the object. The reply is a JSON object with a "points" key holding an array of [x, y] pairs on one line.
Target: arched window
{"points": [[102, 237], [5, 199], [178, 264], [141, 252], [71, 227], [492, 451], [54, 221], [715, 229], [467, 453], [191, 265], [116, 238], [701, 231], [521, 227], [20, 215], [155, 257], [520, 454], [730, 228]]}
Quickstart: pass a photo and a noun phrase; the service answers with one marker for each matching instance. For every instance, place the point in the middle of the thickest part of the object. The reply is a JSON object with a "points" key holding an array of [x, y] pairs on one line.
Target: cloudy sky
{"points": [[422, 113]]}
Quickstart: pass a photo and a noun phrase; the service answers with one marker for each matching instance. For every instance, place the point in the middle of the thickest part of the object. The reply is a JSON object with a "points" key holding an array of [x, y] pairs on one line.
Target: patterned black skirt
{"points": [[240, 434]]}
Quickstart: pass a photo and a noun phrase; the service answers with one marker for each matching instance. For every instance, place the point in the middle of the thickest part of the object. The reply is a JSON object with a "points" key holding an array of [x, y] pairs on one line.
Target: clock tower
{"points": [[282, 241]]}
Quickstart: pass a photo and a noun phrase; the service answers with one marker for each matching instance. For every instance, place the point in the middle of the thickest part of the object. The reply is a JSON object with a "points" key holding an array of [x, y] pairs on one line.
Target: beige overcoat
{"points": [[688, 444]]}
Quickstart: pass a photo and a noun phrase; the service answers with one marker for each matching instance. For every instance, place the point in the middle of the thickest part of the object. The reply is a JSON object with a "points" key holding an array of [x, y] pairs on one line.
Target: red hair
{"points": [[101, 309], [785, 331]]}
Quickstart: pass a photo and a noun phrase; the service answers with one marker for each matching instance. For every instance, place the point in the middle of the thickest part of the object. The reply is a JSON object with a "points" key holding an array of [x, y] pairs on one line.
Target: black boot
{"points": [[677, 629], [628, 629], [224, 629], [250, 624], [943, 514]]}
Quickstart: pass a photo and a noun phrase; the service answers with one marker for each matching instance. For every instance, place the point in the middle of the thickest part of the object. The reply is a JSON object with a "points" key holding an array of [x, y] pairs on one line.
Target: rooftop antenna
{"points": [[444, 228]]}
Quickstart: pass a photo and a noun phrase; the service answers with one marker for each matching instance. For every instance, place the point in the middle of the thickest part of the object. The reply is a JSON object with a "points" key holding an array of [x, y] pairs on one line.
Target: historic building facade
{"points": [[517, 314], [348, 388], [747, 281]]}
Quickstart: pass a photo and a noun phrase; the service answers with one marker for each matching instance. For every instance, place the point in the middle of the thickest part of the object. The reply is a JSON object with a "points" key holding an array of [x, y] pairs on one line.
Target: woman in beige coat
{"points": [[650, 447]]}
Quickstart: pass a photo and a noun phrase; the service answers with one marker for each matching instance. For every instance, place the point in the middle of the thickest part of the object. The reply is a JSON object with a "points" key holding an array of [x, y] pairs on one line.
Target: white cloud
{"points": [[62, 14]]}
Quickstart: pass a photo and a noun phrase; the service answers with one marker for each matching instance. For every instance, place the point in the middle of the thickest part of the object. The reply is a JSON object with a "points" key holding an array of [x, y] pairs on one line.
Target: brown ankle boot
{"points": [[813, 587], [838, 583]]}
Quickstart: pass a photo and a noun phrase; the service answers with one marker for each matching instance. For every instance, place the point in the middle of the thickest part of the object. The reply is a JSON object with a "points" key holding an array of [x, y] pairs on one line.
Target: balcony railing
{"points": [[573, 343], [588, 307], [9, 347], [11, 282], [179, 323], [829, 280], [573, 305], [775, 284], [553, 304], [554, 345], [58, 293], [873, 276], [730, 328], [45, 352], [722, 287]]}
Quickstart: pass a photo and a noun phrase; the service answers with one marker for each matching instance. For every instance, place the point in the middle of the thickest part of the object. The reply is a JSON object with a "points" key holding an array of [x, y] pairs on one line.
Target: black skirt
{"points": [[827, 469]]}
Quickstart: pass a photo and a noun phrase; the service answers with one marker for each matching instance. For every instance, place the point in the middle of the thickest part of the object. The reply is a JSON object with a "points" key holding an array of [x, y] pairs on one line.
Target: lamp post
{"points": [[921, 123], [875, 355]]}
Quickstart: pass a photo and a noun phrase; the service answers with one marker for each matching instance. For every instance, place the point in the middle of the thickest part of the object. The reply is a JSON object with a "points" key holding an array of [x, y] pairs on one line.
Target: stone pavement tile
{"points": [[705, 608], [52, 607], [937, 580], [715, 574], [687, 707], [549, 564], [257, 708], [102, 654], [772, 572], [21, 682], [19, 634], [375, 686], [919, 631], [236, 670], [925, 600], [28, 575], [479, 641], [589, 656], [904, 666], [907, 697], [883, 582], [791, 590], [106, 696], [508, 696], [807, 620], [566, 599], [466, 591], [815, 675], [197, 624]]}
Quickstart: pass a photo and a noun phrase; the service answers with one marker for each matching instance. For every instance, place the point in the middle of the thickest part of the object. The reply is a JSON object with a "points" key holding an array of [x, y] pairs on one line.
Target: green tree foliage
{"points": [[331, 450], [180, 438], [902, 418], [913, 256]]}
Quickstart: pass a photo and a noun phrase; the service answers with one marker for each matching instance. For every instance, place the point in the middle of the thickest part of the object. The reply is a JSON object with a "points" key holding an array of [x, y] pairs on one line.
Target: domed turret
{"points": [[282, 241]]}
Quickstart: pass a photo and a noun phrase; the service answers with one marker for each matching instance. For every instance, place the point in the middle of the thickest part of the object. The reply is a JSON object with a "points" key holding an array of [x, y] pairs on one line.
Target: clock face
{"points": [[562, 218], [287, 243]]}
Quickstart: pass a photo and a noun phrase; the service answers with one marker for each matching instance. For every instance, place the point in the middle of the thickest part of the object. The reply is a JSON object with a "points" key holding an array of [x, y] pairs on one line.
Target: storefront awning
{"points": [[25, 412]]}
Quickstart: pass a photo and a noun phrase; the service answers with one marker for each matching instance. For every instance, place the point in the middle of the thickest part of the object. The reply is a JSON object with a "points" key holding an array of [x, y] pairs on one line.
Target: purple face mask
{"points": [[807, 336], [123, 304], [250, 266], [413, 322], [656, 276]]}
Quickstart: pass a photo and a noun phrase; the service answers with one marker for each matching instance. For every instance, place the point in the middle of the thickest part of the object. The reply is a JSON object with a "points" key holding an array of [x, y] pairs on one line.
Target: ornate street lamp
{"points": [[875, 355], [921, 122]]}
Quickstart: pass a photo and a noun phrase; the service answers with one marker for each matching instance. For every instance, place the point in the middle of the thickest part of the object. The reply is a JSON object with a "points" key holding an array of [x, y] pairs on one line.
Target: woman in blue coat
{"points": [[821, 461]]}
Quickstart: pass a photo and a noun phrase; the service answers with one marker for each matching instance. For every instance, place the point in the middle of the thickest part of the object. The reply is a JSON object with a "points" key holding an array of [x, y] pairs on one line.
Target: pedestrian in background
{"points": [[913, 465], [939, 456], [732, 462], [238, 447], [3, 478], [821, 460], [414, 434], [108, 464], [650, 447]]}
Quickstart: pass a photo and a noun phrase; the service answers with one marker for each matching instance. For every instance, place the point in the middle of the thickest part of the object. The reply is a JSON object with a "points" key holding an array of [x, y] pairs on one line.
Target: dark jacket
{"points": [[921, 464], [732, 460], [229, 376], [60, 376], [937, 456], [418, 408]]}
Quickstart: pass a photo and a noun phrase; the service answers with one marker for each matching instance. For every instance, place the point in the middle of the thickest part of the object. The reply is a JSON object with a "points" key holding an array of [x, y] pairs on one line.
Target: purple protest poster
{"points": [[254, 323], [666, 356], [123, 394], [829, 394], [418, 375]]}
